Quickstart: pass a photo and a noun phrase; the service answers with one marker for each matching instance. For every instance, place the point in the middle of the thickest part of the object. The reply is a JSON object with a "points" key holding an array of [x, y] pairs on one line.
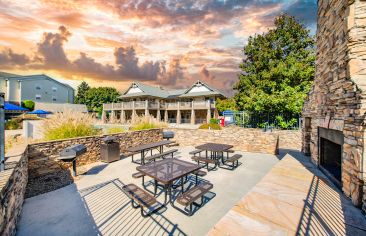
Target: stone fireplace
{"points": [[334, 111]]}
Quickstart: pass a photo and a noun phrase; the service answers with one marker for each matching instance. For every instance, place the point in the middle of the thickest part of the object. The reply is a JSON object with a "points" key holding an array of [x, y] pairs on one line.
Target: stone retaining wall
{"points": [[46, 173], [248, 140], [13, 182]]}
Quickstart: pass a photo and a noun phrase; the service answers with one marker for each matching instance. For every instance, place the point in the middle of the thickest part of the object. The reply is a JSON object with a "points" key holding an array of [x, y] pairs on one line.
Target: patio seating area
{"points": [[100, 201]]}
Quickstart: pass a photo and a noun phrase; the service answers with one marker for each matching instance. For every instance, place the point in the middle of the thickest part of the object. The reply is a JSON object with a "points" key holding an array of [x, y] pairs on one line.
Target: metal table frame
{"points": [[215, 149], [145, 148]]}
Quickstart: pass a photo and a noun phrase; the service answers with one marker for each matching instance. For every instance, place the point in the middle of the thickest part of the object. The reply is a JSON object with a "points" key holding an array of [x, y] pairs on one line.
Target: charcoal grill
{"points": [[168, 135], [70, 154], [109, 150]]}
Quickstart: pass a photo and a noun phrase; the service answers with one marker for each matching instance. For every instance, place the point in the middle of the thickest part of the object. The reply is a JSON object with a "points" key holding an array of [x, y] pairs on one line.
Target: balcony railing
{"points": [[155, 105]]}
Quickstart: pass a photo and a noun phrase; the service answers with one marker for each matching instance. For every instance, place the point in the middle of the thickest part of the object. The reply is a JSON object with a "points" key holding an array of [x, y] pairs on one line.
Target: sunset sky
{"points": [[111, 43]]}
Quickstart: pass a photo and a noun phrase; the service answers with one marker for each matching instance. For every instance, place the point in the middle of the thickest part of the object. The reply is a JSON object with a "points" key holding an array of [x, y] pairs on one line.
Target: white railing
{"points": [[197, 104], [140, 104], [153, 105], [127, 105], [171, 105], [185, 104]]}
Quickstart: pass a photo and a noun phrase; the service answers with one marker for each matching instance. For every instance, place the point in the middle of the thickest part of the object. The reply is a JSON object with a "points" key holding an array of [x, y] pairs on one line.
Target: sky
{"points": [[170, 43]]}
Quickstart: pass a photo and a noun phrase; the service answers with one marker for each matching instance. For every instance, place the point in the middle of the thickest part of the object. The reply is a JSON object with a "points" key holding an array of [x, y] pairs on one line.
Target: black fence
{"points": [[267, 120]]}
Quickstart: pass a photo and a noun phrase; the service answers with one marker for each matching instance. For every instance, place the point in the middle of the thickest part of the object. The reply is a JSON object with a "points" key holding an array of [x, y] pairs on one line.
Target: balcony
{"points": [[155, 105]]}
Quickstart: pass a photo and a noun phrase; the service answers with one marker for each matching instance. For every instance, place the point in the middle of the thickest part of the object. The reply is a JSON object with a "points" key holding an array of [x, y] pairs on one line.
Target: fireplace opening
{"points": [[330, 147], [331, 159]]}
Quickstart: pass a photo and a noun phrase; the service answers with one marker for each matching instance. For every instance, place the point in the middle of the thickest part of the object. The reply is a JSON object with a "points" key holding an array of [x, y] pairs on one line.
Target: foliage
{"points": [[210, 126], [281, 123], [277, 69], [81, 93], [214, 121], [95, 97], [12, 124], [226, 104], [115, 130], [69, 124], [147, 122], [29, 104]]}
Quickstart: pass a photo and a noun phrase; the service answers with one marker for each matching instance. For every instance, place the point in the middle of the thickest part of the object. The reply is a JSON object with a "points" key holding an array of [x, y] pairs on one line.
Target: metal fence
{"points": [[266, 120]]}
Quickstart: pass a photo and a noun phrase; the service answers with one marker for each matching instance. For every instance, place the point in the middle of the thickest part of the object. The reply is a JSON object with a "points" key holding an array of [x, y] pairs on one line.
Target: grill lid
{"points": [[72, 152], [168, 134]]}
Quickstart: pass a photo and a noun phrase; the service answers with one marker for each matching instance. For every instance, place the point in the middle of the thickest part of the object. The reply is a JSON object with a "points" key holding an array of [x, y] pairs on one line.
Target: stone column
{"points": [[216, 114], [113, 117], [166, 118], [179, 116], [104, 117], [208, 115], [146, 107], [158, 116], [193, 117], [123, 117]]}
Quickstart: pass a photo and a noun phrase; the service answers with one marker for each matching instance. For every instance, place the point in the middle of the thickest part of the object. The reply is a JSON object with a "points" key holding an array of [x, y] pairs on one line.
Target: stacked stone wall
{"points": [[13, 182], [247, 140], [336, 100], [47, 173]]}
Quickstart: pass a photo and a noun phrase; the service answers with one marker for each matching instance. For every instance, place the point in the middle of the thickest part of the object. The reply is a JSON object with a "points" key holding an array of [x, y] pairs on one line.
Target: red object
{"points": [[222, 122]]}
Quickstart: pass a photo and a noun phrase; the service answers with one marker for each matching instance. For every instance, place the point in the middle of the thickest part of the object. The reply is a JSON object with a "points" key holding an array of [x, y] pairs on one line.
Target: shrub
{"points": [[147, 122], [115, 130], [214, 121], [29, 104], [12, 124], [69, 125], [210, 126]]}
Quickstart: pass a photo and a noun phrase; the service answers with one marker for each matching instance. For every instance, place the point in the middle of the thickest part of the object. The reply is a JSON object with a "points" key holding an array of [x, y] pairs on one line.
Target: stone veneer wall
{"points": [[46, 173], [336, 100], [13, 182], [248, 140]]}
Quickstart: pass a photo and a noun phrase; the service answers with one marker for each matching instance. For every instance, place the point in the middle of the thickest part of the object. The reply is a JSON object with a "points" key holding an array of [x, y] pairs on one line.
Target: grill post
{"points": [[74, 167]]}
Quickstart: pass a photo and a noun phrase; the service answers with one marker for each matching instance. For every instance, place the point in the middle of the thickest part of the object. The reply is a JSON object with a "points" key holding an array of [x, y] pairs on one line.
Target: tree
{"points": [[225, 104], [29, 104], [277, 69], [95, 97], [81, 93]]}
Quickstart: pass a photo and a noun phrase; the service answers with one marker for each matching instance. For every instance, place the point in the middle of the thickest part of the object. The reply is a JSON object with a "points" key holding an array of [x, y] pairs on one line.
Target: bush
{"points": [[12, 124], [115, 130], [214, 121], [210, 126], [29, 104], [69, 125], [147, 122]]}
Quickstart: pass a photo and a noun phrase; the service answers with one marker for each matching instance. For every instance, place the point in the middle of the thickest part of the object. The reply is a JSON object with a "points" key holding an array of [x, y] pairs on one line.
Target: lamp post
{"points": [[2, 131]]}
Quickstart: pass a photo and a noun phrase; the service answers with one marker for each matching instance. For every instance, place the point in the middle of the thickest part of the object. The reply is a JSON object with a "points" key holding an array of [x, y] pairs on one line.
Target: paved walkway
{"points": [[294, 198], [95, 204]]}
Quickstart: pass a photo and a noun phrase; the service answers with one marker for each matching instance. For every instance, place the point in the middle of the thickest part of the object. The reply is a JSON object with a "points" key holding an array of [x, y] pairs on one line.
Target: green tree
{"points": [[95, 97], [81, 93], [226, 104], [277, 69], [29, 104]]}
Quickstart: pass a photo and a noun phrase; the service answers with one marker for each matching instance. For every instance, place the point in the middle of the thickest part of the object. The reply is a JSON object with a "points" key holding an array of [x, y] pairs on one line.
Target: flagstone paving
{"points": [[294, 198]]}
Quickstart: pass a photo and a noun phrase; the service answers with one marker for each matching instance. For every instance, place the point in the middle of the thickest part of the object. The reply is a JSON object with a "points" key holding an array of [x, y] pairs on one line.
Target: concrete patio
{"points": [[95, 204]]}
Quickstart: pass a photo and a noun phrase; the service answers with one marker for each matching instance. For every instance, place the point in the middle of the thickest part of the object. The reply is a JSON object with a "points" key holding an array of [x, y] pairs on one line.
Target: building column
{"points": [[123, 117], [113, 117], [216, 114], [178, 117], [158, 115], [208, 115], [146, 108], [104, 117], [193, 117], [166, 118]]}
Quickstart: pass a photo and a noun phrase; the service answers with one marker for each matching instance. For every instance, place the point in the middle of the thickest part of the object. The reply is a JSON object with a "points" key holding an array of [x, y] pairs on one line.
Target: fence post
{"points": [[2, 131]]}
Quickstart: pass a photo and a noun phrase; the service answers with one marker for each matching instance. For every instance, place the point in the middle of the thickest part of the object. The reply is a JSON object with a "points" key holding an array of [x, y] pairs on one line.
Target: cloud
{"points": [[205, 74], [8, 58]]}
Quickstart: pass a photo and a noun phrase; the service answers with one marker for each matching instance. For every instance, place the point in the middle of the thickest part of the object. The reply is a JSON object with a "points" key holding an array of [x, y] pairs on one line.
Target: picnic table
{"points": [[214, 148], [167, 171], [145, 148]]}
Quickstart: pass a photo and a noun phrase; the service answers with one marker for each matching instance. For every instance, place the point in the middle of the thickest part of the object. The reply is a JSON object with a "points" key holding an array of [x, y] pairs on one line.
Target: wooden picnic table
{"points": [[167, 171], [144, 148]]}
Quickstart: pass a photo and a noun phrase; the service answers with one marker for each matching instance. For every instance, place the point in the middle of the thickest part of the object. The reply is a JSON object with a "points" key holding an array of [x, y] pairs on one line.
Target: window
{"points": [[54, 89], [38, 96], [54, 98], [38, 87]]}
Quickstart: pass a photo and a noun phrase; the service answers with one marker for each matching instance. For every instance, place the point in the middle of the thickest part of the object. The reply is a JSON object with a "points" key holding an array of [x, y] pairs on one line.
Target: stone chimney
{"points": [[334, 111]]}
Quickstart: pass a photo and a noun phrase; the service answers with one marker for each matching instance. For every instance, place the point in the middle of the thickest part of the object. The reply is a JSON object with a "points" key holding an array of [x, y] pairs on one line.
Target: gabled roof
{"points": [[31, 77], [152, 91]]}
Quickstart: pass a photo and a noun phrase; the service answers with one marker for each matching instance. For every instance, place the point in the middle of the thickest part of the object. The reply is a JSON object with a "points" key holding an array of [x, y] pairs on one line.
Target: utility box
{"points": [[109, 150]]}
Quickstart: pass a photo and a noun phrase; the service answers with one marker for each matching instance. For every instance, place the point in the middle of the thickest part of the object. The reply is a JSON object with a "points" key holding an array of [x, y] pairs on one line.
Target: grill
{"points": [[70, 154], [168, 135], [109, 150]]}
